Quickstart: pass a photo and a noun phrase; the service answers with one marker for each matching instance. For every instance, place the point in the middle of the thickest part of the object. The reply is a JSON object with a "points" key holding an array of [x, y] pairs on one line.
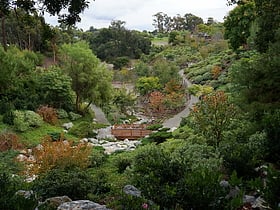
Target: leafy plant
{"points": [[48, 114], [82, 129], [75, 183], [9, 141], [24, 120], [61, 155]]}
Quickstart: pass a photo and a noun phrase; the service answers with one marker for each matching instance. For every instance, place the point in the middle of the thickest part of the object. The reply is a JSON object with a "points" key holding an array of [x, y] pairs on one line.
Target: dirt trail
{"points": [[176, 119], [169, 123], [99, 115]]}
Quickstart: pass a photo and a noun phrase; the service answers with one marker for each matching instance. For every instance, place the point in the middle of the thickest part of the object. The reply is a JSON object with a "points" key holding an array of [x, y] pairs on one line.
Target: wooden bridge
{"points": [[130, 131]]}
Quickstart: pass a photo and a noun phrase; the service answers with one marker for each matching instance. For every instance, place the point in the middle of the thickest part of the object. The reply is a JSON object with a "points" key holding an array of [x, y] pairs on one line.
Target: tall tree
{"points": [[192, 21], [159, 21], [237, 24], [91, 81], [71, 10], [268, 19]]}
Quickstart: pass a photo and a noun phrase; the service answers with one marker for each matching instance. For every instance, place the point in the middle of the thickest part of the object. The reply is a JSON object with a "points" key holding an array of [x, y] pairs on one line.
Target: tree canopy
{"points": [[91, 81]]}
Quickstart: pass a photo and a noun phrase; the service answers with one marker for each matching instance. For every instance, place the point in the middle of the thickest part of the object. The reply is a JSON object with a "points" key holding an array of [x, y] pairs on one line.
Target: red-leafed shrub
{"points": [[48, 113], [9, 141]]}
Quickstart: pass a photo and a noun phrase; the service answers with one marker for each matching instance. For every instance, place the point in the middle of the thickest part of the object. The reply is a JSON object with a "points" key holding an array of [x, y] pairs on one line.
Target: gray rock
{"points": [[22, 158], [131, 190], [54, 202], [25, 194], [233, 192], [224, 184], [92, 140], [67, 126], [81, 205]]}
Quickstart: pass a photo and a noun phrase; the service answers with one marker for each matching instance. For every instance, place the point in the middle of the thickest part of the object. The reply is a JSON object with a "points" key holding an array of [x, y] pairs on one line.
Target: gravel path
{"points": [[99, 115], [176, 119], [169, 123]]}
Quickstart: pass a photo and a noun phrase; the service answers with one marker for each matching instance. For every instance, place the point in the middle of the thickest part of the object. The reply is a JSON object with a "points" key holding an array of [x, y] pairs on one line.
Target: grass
{"points": [[160, 41], [34, 136]]}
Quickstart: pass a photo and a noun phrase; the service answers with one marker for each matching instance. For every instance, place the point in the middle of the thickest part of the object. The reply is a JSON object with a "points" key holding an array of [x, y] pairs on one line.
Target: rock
{"points": [[54, 202], [126, 141], [249, 199], [81, 205], [255, 202], [39, 147], [172, 129], [31, 159], [105, 133], [94, 141], [24, 152], [224, 184], [109, 150], [67, 126], [31, 178], [22, 158], [25, 194], [90, 144], [233, 192], [84, 140], [131, 190]]}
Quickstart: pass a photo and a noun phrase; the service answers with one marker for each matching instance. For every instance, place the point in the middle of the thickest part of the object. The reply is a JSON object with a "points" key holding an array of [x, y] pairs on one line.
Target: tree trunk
{"points": [[4, 39]]}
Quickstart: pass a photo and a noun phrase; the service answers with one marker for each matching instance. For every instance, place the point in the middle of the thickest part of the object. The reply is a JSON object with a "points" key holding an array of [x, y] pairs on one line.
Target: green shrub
{"points": [[82, 129], [198, 79], [156, 176], [8, 117], [20, 122], [97, 157], [129, 202], [23, 120], [122, 163], [186, 176], [154, 127], [61, 114], [74, 116], [5, 106], [9, 199], [160, 136], [8, 163], [74, 183]]}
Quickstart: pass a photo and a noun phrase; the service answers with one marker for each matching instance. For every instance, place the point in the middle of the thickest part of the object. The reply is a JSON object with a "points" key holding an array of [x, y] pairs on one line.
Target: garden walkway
{"points": [[174, 122]]}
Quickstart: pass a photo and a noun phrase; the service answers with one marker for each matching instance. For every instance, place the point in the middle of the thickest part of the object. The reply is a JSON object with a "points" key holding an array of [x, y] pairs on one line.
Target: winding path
{"points": [[169, 123], [99, 115], [176, 119]]}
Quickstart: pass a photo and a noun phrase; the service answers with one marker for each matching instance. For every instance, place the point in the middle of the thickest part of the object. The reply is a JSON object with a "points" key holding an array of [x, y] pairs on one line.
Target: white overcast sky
{"points": [[138, 14]]}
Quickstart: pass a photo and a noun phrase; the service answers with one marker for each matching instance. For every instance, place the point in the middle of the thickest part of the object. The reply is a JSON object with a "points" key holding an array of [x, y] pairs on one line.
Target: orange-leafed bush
{"points": [[9, 141], [156, 100], [48, 114], [60, 155], [216, 71]]}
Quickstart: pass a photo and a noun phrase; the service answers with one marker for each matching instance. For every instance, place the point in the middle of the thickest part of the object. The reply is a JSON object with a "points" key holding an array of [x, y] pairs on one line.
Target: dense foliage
{"points": [[225, 151], [116, 43]]}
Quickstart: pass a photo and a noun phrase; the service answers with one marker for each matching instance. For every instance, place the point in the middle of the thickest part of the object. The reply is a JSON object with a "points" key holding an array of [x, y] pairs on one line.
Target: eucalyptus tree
{"points": [[192, 21]]}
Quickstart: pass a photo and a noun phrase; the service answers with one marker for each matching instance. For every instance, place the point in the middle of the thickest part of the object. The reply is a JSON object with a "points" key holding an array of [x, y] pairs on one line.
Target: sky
{"points": [[138, 14]]}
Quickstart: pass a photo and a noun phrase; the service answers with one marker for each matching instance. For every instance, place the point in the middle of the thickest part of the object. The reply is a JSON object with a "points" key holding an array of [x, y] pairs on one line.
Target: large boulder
{"points": [[81, 204]]}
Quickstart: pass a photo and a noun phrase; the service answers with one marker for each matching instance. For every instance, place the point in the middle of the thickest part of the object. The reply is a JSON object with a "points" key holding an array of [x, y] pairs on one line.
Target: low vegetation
{"points": [[225, 150]]}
